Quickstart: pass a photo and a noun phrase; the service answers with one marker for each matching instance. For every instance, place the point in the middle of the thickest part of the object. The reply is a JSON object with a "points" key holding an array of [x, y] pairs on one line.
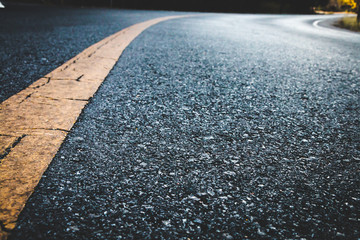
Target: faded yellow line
{"points": [[34, 122]]}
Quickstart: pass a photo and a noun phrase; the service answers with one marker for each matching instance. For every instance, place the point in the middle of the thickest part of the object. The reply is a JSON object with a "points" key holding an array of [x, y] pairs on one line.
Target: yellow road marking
{"points": [[34, 122]]}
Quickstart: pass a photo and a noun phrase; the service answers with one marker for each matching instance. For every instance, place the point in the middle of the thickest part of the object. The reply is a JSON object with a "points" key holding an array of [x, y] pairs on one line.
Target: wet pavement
{"points": [[222, 126]]}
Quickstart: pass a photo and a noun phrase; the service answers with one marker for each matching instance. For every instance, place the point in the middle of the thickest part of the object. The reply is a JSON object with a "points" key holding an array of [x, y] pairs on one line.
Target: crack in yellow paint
{"points": [[45, 112]]}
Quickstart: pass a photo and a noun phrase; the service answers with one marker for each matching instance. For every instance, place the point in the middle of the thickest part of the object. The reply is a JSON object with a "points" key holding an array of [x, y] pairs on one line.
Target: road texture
{"points": [[222, 126], [35, 121], [36, 39]]}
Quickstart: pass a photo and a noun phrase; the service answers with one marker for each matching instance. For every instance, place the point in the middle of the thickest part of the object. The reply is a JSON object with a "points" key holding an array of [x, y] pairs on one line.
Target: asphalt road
{"points": [[220, 126], [36, 39]]}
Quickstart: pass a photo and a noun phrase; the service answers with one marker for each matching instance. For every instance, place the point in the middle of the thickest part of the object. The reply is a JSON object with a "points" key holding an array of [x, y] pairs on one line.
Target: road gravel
{"points": [[36, 39], [223, 126]]}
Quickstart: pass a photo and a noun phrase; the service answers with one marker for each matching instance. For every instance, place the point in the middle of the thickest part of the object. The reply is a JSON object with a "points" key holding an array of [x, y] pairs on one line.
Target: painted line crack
{"points": [[59, 99], [45, 123], [8, 150], [78, 79], [78, 99], [6, 135], [52, 129], [3, 227], [28, 96], [48, 81]]}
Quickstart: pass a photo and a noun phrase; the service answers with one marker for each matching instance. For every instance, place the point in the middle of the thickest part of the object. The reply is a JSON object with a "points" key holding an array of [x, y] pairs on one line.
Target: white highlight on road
{"points": [[316, 23], [1, 5], [332, 30]]}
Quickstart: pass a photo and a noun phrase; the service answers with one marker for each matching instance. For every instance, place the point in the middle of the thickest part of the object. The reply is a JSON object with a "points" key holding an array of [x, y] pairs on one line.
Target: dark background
{"points": [[236, 6]]}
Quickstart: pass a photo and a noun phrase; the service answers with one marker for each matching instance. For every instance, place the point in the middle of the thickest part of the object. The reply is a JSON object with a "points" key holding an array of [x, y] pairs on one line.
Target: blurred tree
{"points": [[333, 5], [347, 4], [353, 5], [358, 11]]}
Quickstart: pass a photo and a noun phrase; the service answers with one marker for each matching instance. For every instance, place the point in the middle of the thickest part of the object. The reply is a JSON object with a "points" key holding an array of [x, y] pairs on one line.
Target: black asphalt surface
{"points": [[36, 39], [221, 126]]}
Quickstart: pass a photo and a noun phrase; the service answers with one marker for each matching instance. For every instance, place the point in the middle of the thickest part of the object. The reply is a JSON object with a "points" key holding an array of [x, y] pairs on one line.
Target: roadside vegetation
{"points": [[349, 23]]}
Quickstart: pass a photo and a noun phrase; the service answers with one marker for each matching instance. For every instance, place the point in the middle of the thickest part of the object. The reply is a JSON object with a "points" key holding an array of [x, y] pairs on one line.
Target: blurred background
{"points": [[236, 6]]}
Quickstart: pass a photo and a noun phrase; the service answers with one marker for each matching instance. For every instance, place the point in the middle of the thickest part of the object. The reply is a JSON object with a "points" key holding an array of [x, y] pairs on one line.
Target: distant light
{"points": [[1, 5]]}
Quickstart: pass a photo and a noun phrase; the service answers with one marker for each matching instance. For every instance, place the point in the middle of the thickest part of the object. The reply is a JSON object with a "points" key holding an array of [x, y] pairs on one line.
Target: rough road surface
{"points": [[37, 39], [221, 126]]}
